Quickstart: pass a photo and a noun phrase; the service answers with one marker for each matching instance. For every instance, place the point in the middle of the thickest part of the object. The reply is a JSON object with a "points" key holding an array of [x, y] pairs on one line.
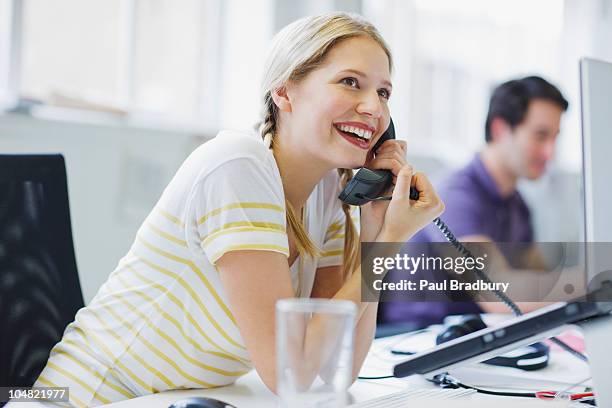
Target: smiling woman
{"points": [[192, 303]]}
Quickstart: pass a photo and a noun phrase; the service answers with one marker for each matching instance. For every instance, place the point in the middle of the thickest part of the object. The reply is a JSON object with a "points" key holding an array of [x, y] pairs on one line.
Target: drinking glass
{"points": [[314, 349]]}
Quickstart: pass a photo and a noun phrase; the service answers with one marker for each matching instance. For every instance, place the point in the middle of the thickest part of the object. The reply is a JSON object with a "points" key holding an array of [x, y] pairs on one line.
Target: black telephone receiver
{"points": [[368, 185]]}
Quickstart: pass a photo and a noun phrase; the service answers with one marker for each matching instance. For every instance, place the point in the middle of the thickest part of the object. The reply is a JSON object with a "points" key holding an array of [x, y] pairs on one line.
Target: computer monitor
{"points": [[595, 91]]}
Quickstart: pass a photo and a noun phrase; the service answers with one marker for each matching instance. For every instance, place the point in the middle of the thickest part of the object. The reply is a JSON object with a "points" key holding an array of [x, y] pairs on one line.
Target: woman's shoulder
{"points": [[233, 147], [229, 144], [229, 152]]}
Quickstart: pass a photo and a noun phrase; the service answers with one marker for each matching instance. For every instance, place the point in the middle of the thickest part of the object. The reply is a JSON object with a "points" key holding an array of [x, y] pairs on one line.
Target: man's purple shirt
{"points": [[474, 206]]}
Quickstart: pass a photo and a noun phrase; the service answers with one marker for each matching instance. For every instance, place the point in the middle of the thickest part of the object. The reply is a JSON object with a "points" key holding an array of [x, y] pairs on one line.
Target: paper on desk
{"points": [[563, 370], [480, 375]]}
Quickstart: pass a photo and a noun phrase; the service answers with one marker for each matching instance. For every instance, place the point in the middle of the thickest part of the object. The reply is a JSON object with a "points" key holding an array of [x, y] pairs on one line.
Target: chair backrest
{"points": [[40, 291]]}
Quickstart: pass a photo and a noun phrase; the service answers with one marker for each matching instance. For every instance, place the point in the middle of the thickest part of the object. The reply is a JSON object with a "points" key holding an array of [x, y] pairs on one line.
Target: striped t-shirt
{"points": [[162, 321]]}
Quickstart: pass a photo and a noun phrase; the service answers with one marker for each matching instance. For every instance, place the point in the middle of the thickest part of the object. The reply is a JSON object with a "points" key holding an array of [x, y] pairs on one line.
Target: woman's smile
{"points": [[359, 138]]}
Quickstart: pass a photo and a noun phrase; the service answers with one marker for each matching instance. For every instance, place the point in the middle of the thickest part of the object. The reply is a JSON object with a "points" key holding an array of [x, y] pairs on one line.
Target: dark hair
{"points": [[510, 100]]}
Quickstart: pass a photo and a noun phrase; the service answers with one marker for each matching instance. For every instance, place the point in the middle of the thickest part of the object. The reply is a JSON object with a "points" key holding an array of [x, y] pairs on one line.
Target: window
{"points": [[449, 54], [194, 63], [476, 44], [71, 49], [151, 57], [167, 56]]}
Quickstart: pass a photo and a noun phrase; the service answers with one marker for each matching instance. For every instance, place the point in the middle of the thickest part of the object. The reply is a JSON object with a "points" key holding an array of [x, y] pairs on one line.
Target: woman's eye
{"points": [[384, 93], [350, 81]]}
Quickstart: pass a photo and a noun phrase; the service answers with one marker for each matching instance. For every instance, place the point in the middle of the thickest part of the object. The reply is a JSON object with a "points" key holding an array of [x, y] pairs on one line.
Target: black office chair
{"points": [[39, 284]]}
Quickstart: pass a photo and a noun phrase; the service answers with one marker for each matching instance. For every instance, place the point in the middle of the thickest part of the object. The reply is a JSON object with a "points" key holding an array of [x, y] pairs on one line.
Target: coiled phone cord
{"points": [[450, 237]]}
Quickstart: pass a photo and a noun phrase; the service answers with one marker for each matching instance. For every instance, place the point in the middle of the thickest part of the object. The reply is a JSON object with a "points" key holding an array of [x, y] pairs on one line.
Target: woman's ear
{"points": [[281, 99]]}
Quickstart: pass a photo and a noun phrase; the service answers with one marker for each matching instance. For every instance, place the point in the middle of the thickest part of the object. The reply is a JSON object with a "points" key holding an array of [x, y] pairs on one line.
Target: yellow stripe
{"points": [[76, 379], [157, 351], [134, 355], [334, 227], [167, 236], [104, 379], [282, 249], [338, 225], [246, 229], [332, 253], [186, 313], [196, 298], [70, 394], [70, 357], [125, 391], [176, 346], [218, 211], [116, 361], [206, 283], [337, 235], [255, 226], [117, 388], [171, 218]]}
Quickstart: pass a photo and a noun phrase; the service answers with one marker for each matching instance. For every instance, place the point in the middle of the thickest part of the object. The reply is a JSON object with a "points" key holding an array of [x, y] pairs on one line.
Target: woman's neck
{"points": [[300, 172]]}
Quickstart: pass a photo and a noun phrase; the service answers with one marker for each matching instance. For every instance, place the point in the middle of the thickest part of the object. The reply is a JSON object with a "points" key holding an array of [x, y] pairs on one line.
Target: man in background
{"points": [[482, 200]]}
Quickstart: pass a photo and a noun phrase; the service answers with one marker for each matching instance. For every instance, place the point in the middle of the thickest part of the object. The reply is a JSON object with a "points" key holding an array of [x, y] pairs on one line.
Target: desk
{"points": [[250, 392]]}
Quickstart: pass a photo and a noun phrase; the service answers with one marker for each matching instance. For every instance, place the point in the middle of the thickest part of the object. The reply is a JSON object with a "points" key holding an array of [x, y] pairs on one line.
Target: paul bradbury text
{"points": [[446, 285]]}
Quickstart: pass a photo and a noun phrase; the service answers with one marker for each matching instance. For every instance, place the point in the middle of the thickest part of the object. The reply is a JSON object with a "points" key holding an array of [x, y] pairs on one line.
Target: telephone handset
{"points": [[368, 185]]}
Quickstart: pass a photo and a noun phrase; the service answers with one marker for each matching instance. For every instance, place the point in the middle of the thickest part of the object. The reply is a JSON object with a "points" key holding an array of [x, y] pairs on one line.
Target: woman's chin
{"points": [[352, 165], [347, 160]]}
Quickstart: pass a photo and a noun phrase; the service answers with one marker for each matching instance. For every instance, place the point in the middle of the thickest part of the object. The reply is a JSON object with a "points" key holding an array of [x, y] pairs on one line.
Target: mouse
{"points": [[200, 402]]}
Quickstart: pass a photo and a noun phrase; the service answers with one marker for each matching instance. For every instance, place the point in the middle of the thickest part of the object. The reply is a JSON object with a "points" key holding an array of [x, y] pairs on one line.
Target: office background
{"points": [[126, 89]]}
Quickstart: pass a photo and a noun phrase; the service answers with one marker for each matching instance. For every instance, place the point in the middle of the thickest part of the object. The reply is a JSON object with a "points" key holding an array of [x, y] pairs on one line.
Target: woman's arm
{"points": [[253, 282], [328, 281], [364, 335]]}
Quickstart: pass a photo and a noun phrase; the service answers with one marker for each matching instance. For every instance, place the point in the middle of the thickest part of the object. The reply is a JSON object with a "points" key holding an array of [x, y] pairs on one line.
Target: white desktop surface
{"points": [[249, 391]]}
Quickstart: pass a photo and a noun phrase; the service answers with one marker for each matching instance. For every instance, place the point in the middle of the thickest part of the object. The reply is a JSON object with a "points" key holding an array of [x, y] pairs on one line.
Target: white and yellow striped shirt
{"points": [[162, 321]]}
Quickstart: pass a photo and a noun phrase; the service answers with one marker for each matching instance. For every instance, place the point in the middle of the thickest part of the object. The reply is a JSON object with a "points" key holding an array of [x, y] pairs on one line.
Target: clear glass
{"points": [[314, 348]]}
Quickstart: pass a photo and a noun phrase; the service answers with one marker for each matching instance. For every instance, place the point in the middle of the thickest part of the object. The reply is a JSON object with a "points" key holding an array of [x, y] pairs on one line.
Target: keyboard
{"points": [[406, 397]]}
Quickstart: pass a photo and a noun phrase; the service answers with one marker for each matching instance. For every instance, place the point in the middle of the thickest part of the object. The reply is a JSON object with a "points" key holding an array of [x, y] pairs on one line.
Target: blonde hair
{"points": [[296, 50]]}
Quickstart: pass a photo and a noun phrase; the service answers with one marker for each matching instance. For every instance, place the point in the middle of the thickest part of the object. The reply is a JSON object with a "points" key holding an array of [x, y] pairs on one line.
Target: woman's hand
{"points": [[399, 219], [405, 217], [390, 156]]}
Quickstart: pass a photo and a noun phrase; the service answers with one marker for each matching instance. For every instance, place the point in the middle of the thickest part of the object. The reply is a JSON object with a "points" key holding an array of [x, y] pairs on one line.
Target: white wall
{"points": [[115, 176]]}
